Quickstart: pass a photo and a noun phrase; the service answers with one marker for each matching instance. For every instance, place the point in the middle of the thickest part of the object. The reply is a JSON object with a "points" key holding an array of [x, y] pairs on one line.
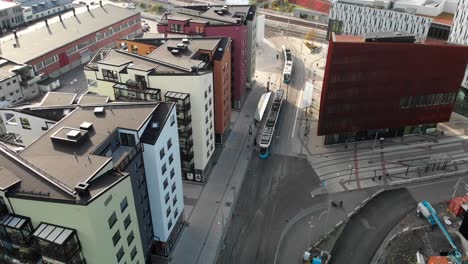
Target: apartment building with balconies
{"points": [[178, 71], [238, 22], [18, 83], [218, 60], [111, 205]]}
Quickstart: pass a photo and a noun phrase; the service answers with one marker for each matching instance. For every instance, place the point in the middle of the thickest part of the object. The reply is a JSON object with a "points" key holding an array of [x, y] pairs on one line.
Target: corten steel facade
{"points": [[388, 86]]}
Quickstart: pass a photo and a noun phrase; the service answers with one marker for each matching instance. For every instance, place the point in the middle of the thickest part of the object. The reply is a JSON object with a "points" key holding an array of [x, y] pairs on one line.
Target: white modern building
{"points": [[175, 72], [459, 32], [10, 15], [17, 83], [119, 201], [355, 19], [37, 9]]}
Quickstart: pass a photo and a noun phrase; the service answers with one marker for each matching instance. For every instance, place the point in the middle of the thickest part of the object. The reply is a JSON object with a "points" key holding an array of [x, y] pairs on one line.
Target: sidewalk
{"points": [[208, 220]]}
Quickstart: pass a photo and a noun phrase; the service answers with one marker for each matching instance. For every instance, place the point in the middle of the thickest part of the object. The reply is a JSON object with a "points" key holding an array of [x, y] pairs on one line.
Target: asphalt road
{"points": [[365, 232], [274, 191]]}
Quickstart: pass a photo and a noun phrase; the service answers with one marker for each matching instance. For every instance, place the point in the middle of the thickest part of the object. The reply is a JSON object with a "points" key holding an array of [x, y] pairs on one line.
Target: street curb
{"points": [[348, 217]]}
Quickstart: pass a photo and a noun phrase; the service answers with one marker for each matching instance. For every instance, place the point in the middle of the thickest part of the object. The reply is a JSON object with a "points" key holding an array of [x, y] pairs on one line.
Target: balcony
{"points": [[124, 155], [21, 254], [184, 120], [16, 229], [29, 80], [137, 92], [58, 243], [188, 165], [185, 132], [187, 156], [185, 142]]}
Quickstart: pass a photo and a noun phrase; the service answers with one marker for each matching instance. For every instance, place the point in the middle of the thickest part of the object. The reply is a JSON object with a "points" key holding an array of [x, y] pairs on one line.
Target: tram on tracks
{"points": [[288, 65], [266, 139]]}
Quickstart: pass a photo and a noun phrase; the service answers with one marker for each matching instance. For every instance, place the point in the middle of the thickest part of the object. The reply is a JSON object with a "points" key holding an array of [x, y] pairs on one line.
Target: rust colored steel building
{"points": [[386, 88], [219, 57]]}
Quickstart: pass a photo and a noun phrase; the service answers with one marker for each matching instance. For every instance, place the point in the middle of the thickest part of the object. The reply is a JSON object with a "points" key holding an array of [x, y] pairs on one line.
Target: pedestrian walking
{"points": [[341, 203], [277, 56], [255, 141]]}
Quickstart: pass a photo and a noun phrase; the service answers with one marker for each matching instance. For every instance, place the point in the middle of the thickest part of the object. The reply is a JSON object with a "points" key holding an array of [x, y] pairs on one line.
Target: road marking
{"points": [[297, 112], [431, 183]]}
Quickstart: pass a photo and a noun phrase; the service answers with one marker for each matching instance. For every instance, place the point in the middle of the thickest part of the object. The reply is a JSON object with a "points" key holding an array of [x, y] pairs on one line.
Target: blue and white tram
{"points": [[266, 139], [288, 65]]}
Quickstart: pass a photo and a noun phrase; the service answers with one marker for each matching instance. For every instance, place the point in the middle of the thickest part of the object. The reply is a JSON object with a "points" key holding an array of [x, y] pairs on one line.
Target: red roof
{"points": [[316, 5]]}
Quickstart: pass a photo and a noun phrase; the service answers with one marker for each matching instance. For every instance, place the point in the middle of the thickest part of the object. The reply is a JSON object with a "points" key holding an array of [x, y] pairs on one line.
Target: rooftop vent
{"points": [[185, 40], [86, 125], [154, 125], [220, 49], [82, 188], [98, 110], [73, 134], [180, 45], [175, 51]]}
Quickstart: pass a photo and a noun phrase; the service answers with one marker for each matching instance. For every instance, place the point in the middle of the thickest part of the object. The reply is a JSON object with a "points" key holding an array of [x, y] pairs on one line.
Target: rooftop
{"points": [[173, 56], [57, 98], [6, 4], [189, 54], [214, 14], [6, 69], [42, 5], [93, 99], [78, 160], [59, 34]]}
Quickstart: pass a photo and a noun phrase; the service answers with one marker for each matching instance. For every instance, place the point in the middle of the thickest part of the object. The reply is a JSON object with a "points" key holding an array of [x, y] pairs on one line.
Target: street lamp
{"points": [[350, 172]]}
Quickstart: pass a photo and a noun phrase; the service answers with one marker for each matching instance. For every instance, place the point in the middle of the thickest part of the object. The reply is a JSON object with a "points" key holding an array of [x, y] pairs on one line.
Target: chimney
{"points": [[87, 6], [100, 3], [14, 32], [46, 23], [74, 13], [60, 17]]}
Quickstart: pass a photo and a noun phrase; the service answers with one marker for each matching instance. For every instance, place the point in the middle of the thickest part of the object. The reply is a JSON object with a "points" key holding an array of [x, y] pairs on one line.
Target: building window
{"points": [[209, 87], [133, 253], [164, 169], [127, 221], [116, 237], [210, 101], [172, 120], [176, 213], [50, 60], [172, 173], [14, 81], [165, 184], [109, 75], [25, 123], [169, 144], [168, 211], [206, 94], [123, 204], [208, 154], [112, 219], [39, 66], [176, 28], [167, 198], [162, 153], [206, 107], [107, 201], [173, 187], [130, 238], [71, 50], [120, 254], [174, 200], [171, 159]]}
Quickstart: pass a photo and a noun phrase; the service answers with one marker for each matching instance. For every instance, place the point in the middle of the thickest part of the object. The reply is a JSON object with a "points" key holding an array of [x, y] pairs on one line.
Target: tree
{"points": [[143, 5], [311, 35]]}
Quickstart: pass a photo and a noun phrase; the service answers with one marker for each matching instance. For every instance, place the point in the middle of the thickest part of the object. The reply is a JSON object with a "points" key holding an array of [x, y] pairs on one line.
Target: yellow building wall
{"points": [[91, 223]]}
